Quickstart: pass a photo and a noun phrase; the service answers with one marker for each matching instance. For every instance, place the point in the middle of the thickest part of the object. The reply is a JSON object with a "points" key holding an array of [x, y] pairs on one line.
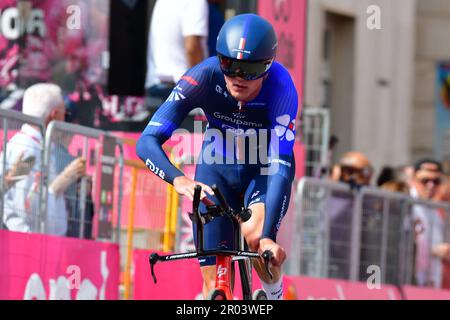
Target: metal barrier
{"points": [[184, 240], [161, 206], [57, 149], [24, 135], [312, 230], [315, 135], [349, 234], [99, 149], [385, 237]]}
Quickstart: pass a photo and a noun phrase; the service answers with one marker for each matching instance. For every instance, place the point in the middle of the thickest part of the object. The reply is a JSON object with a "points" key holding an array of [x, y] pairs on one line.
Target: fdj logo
{"points": [[176, 95], [155, 169], [12, 24], [221, 271]]}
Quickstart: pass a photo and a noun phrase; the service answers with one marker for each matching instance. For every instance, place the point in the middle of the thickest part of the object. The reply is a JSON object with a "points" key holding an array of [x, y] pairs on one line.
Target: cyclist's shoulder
{"points": [[207, 66], [200, 73], [280, 77]]}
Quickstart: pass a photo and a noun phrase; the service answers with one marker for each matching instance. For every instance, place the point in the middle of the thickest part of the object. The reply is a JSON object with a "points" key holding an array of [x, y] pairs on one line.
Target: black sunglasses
{"points": [[348, 170], [247, 70], [425, 181]]}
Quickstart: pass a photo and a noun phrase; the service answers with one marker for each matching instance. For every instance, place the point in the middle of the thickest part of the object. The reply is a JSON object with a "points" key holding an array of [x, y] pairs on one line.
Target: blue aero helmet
{"points": [[246, 46]]}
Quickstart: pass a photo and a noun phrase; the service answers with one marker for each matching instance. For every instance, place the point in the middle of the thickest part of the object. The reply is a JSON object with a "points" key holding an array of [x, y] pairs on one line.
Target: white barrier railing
{"points": [[345, 233]]}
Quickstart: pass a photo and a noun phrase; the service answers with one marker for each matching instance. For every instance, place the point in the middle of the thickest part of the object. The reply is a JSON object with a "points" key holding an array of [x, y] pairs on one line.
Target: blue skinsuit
{"points": [[241, 141]]}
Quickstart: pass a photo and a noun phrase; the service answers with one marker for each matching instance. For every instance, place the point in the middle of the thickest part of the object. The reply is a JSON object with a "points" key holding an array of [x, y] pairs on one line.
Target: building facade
{"points": [[378, 81]]}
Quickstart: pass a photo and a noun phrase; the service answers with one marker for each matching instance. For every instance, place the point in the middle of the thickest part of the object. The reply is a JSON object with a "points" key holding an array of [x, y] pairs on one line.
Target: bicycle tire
{"points": [[216, 294], [259, 295]]}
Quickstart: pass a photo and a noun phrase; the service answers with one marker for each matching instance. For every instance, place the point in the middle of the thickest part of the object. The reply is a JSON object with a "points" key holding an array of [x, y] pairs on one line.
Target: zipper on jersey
{"points": [[238, 143]]}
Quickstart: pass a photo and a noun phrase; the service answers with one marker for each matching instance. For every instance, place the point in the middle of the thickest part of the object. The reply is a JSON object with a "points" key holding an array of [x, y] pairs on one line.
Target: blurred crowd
{"points": [[426, 181]]}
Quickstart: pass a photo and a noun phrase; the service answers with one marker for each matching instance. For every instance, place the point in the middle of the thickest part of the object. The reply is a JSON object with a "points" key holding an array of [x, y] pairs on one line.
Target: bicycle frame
{"points": [[224, 258], [223, 275]]}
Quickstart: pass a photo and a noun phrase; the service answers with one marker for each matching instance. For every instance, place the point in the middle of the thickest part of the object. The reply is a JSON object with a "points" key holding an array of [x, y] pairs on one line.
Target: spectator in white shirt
{"points": [[177, 41], [22, 200]]}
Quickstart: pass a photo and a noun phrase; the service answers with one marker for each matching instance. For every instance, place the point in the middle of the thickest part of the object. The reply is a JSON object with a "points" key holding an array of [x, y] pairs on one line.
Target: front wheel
{"points": [[259, 295], [216, 294]]}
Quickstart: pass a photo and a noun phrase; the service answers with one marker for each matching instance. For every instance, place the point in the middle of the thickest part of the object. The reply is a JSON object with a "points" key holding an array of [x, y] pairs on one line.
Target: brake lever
{"points": [[267, 256], [154, 258]]}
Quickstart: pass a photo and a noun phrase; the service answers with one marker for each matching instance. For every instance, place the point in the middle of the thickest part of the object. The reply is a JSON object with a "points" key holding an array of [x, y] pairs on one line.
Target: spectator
{"points": [[428, 223], [177, 42], [22, 200], [442, 251], [18, 170], [71, 192], [393, 179], [354, 168], [216, 20], [427, 178], [386, 174]]}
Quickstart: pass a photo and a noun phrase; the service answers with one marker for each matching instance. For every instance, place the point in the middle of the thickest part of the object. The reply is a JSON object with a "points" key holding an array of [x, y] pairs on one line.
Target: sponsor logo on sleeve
{"points": [[176, 95], [285, 128]]}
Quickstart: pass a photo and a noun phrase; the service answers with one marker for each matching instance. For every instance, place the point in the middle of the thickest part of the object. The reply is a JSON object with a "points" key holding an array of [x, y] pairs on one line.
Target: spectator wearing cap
{"points": [[428, 222]]}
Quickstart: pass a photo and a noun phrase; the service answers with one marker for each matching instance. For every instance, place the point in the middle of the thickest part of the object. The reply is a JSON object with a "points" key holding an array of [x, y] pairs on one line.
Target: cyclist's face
{"points": [[243, 90]]}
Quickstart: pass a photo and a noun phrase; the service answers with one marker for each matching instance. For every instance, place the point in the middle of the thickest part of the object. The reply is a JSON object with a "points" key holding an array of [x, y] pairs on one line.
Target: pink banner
{"points": [[148, 184], [414, 293], [177, 280], [35, 266], [333, 289], [289, 20]]}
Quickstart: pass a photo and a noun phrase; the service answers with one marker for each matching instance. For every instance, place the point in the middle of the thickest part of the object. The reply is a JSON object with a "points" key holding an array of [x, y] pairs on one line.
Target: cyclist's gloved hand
{"points": [[185, 187], [279, 255]]}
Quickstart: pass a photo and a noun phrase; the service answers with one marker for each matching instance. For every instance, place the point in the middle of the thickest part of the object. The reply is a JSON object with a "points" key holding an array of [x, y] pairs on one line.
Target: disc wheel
{"points": [[259, 295], [216, 294]]}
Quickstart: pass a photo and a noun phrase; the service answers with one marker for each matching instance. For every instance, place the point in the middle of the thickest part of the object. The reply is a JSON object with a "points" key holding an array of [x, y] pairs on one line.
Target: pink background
{"points": [[332, 289], [181, 280], [177, 280], [414, 293], [294, 29], [25, 254]]}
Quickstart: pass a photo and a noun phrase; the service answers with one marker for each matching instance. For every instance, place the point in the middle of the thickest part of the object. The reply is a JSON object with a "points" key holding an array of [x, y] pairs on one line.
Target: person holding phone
{"points": [[23, 168]]}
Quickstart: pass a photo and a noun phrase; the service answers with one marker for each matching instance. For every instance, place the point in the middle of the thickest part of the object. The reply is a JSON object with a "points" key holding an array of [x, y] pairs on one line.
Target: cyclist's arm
{"points": [[283, 115], [186, 96]]}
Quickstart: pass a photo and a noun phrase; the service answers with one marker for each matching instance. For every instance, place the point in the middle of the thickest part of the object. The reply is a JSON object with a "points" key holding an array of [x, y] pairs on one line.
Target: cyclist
{"points": [[243, 93]]}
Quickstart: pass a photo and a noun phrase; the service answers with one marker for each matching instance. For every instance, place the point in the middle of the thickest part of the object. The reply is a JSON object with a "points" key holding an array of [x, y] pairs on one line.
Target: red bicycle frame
{"points": [[223, 275], [224, 258]]}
